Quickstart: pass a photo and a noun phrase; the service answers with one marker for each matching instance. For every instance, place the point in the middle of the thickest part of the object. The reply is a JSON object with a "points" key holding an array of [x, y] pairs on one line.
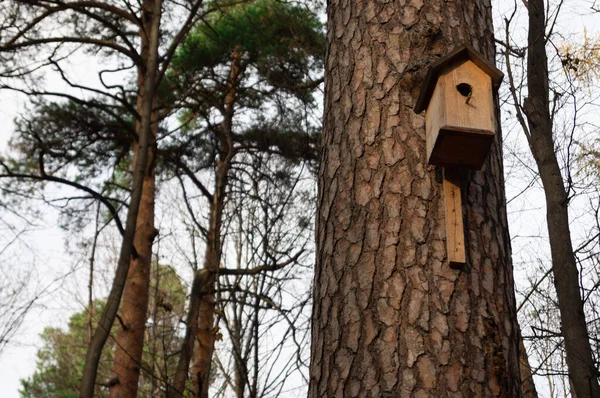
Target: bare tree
{"points": [[536, 117], [263, 315], [18, 293]]}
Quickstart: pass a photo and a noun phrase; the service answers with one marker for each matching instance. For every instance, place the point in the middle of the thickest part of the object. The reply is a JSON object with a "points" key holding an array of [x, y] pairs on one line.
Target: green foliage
{"points": [[61, 359], [69, 134], [88, 144], [279, 49], [283, 42]]}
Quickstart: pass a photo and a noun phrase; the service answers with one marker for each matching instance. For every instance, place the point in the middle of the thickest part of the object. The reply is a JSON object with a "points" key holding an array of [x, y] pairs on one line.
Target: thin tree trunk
{"points": [[142, 162], [390, 318], [199, 285], [201, 318], [205, 342], [200, 332], [582, 369], [91, 308], [156, 382]]}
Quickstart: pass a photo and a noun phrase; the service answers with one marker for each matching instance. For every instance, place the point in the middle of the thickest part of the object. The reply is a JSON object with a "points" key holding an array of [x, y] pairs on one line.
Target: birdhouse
{"points": [[458, 100]]}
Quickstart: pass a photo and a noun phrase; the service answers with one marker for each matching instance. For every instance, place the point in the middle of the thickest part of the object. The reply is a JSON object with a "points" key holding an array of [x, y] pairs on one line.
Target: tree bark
{"points": [[199, 285], [130, 336], [143, 163], [529, 390], [205, 340], [582, 368], [390, 318]]}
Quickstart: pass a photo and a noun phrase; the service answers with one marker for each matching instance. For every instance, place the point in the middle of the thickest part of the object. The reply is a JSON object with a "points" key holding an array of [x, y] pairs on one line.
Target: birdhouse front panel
{"points": [[469, 97], [460, 118]]}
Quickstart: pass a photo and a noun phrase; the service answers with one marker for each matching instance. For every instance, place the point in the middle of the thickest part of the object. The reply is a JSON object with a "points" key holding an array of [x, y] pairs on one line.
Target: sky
{"points": [[51, 259]]}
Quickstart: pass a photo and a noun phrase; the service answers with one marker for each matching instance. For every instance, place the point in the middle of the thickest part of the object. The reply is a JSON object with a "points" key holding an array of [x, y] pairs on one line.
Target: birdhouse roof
{"points": [[462, 53]]}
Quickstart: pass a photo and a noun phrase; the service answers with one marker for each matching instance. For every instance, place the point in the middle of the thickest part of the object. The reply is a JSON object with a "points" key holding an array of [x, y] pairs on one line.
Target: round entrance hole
{"points": [[465, 89]]}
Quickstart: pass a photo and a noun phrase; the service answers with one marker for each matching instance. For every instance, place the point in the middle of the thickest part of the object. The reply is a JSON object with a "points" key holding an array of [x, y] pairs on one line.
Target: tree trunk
{"points": [[206, 331], [130, 336], [205, 341], [202, 306], [143, 163], [582, 369], [390, 318], [528, 388], [199, 285], [200, 331]]}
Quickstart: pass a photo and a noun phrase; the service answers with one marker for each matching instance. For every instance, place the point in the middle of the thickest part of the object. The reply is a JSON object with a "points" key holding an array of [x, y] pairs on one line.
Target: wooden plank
{"points": [[455, 231]]}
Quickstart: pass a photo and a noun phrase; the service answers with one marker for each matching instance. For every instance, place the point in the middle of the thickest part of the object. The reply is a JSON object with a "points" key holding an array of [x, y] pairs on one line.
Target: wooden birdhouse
{"points": [[460, 120]]}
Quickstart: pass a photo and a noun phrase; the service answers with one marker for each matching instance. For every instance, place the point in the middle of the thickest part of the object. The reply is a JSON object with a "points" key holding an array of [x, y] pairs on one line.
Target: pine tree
{"points": [[390, 317]]}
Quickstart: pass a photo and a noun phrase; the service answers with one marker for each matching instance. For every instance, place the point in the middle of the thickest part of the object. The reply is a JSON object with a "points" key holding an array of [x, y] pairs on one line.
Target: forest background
{"points": [[58, 270]]}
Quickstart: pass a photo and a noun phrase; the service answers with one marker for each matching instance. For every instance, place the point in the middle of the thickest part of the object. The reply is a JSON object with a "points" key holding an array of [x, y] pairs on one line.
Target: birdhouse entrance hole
{"points": [[465, 89]]}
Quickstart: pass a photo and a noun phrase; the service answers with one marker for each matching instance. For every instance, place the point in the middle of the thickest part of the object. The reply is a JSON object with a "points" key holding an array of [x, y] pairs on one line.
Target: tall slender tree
{"points": [[390, 317], [537, 120], [247, 74]]}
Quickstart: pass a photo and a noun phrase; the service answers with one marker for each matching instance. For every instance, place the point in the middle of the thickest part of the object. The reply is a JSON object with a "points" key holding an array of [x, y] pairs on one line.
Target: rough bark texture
{"points": [[390, 318], [582, 369]]}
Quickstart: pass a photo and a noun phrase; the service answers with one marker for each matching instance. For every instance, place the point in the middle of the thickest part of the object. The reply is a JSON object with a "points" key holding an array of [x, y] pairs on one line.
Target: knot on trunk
{"points": [[113, 381]]}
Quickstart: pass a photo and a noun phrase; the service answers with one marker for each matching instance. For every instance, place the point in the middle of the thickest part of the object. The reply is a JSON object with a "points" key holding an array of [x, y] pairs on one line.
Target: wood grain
{"points": [[455, 230]]}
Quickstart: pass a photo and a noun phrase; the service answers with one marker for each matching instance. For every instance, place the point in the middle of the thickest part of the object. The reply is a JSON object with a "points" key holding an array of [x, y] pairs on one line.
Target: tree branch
{"points": [[260, 268]]}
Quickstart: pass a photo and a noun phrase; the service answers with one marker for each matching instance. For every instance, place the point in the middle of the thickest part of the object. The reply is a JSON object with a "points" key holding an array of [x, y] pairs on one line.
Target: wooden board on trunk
{"points": [[455, 232]]}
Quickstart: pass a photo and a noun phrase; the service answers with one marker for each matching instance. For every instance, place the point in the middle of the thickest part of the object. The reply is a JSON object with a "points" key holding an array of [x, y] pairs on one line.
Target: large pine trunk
{"points": [[134, 306], [390, 318], [583, 373]]}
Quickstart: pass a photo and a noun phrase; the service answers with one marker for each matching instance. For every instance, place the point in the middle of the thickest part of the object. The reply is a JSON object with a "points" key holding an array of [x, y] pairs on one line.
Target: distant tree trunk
{"points": [[390, 318], [143, 170], [201, 328], [207, 329], [205, 337], [130, 335], [582, 369], [201, 279]]}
